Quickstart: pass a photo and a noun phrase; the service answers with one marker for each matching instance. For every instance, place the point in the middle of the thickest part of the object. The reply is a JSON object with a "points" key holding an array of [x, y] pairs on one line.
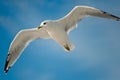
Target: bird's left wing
{"points": [[79, 12], [22, 39]]}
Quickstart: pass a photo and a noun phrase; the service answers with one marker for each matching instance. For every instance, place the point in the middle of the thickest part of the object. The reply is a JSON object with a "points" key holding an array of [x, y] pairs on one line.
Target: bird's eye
{"points": [[44, 23]]}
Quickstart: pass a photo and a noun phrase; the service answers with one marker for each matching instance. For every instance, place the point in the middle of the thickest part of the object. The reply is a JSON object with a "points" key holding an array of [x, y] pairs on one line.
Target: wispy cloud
{"points": [[9, 24], [30, 74]]}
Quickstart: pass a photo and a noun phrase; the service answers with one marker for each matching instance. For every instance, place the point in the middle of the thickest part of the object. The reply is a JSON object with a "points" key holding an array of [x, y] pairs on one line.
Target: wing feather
{"points": [[22, 39], [79, 12]]}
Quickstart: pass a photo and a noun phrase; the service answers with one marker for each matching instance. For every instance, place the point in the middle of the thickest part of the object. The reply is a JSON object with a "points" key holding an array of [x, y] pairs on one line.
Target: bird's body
{"points": [[57, 30]]}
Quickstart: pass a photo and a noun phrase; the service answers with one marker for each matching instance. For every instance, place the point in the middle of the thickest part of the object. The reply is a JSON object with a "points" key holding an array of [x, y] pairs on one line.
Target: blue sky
{"points": [[97, 41]]}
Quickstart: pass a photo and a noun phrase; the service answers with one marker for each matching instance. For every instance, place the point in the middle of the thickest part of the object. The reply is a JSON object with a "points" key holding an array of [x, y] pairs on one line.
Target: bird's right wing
{"points": [[79, 12], [22, 39]]}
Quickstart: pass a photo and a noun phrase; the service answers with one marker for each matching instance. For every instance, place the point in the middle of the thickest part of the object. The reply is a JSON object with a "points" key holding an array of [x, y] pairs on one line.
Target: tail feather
{"points": [[69, 47]]}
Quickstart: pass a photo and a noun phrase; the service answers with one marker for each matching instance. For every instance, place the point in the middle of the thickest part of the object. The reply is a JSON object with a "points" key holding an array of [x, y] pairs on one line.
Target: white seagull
{"points": [[57, 30]]}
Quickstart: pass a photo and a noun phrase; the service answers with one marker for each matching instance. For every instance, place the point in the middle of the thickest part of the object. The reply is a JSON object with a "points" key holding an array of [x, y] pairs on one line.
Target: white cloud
{"points": [[30, 74]]}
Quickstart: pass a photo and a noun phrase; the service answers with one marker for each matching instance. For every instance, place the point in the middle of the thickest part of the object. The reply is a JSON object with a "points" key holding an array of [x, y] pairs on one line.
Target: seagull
{"points": [[57, 30]]}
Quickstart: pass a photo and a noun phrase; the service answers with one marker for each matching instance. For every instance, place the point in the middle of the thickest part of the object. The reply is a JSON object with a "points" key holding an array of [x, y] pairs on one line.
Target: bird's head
{"points": [[45, 24]]}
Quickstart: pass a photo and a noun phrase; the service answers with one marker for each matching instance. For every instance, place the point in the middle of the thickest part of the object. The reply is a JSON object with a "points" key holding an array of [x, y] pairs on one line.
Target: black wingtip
{"points": [[117, 18], [6, 67], [5, 71]]}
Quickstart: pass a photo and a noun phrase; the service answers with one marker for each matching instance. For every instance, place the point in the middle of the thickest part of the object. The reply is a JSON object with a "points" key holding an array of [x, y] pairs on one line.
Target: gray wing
{"points": [[79, 12], [22, 39]]}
